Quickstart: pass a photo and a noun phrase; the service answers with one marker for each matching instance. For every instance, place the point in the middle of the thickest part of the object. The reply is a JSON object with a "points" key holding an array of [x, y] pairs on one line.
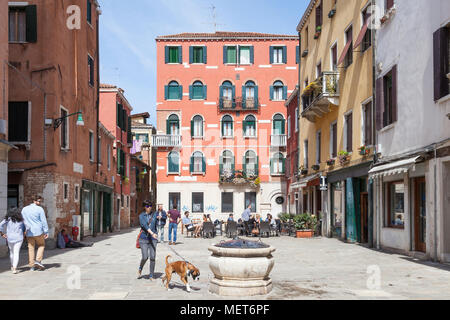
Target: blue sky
{"points": [[128, 30]]}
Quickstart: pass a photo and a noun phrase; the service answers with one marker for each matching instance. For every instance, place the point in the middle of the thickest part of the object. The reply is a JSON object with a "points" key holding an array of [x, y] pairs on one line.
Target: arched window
{"points": [[227, 90], [174, 91], [198, 163], [197, 127], [249, 126], [250, 164], [279, 125], [227, 95], [227, 163], [278, 91], [277, 164], [250, 90], [173, 162], [227, 126], [197, 91], [173, 125]]}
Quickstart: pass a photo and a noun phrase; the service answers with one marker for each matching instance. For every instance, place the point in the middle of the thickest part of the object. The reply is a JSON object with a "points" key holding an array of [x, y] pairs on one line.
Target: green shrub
{"points": [[305, 221]]}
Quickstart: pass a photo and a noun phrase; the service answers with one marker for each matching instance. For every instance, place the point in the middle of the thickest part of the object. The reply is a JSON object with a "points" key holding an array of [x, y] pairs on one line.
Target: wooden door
{"points": [[364, 217], [420, 214]]}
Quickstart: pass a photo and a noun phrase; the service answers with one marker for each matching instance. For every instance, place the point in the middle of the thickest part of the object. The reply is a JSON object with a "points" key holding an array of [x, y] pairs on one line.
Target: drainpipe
{"points": [[97, 102], [435, 206], [373, 208]]}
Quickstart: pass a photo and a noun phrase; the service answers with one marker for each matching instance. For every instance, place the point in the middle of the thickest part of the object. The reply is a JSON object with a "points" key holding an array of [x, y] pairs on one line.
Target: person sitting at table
{"points": [[190, 226], [230, 217], [208, 218]]}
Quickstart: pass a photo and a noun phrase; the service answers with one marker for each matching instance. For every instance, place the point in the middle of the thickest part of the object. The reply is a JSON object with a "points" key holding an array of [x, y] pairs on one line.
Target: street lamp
{"points": [[80, 122]]}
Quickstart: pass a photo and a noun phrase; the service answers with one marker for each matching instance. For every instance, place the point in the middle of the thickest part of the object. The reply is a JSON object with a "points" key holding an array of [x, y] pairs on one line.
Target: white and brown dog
{"points": [[183, 269]]}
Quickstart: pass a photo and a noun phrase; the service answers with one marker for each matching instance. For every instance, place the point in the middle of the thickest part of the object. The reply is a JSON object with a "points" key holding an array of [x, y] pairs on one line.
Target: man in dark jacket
{"points": [[161, 217], [148, 239]]}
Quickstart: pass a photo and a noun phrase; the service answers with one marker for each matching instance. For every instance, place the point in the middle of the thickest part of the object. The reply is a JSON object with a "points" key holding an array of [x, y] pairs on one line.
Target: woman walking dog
{"points": [[148, 239], [15, 229]]}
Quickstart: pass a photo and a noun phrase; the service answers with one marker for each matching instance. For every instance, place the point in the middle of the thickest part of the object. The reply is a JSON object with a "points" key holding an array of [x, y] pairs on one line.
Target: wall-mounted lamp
{"points": [[80, 122]]}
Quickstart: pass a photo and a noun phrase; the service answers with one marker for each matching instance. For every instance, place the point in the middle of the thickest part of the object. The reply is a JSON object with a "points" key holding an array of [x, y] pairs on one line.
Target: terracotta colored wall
{"points": [[292, 144], [212, 145]]}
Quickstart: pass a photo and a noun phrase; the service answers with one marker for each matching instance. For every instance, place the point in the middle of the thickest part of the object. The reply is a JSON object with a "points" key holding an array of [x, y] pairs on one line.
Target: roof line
{"points": [[306, 15]]}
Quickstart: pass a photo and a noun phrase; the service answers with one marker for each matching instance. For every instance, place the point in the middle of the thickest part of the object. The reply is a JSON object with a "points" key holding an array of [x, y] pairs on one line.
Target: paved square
{"points": [[318, 268]]}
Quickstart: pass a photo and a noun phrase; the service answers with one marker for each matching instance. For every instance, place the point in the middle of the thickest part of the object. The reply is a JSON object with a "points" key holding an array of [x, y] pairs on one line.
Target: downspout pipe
{"points": [[435, 207], [372, 199]]}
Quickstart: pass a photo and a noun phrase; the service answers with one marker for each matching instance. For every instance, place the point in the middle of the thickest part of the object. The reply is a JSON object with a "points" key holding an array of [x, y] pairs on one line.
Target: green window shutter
{"points": [[117, 114], [180, 93], [285, 89], [297, 59], [252, 54], [167, 126], [225, 55], [283, 165], [180, 54], [205, 55], [204, 165], [191, 55], [31, 23], [222, 127], [271, 92], [221, 97], [166, 92], [166, 52], [244, 166], [221, 165], [192, 128], [118, 161], [191, 92], [283, 127], [256, 97], [233, 164], [257, 166], [244, 127], [234, 97], [272, 169], [244, 97], [205, 92], [191, 166], [284, 54], [271, 54]]}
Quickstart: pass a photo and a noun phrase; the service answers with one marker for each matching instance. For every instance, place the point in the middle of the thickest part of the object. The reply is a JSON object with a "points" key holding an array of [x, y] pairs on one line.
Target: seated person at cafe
{"points": [[190, 226], [66, 241], [230, 217]]}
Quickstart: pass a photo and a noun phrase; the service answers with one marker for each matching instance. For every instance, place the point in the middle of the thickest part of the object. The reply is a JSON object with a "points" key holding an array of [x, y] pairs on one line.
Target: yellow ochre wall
{"points": [[355, 82]]}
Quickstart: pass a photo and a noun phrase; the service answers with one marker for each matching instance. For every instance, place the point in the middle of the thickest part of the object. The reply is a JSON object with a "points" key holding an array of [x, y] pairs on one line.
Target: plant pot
{"points": [[304, 172], [305, 53], [304, 234], [344, 159], [317, 35], [331, 13], [331, 163], [316, 167]]}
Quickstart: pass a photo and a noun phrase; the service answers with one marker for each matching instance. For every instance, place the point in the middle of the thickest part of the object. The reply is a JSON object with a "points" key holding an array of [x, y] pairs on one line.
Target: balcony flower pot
{"points": [[316, 167], [343, 160], [364, 151], [304, 172], [318, 31], [332, 13], [331, 162], [305, 53]]}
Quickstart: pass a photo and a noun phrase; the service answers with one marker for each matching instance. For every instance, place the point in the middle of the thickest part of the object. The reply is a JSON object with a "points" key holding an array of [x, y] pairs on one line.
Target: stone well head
{"points": [[241, 268]]}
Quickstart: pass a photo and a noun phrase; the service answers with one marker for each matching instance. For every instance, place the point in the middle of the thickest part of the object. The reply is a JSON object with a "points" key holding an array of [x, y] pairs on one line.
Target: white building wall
{"points": [[212, 198], [407, 40]]}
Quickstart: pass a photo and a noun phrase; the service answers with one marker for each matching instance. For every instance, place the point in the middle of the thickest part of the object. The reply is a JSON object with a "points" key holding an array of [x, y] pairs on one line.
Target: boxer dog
{"points": [[183, 269]]}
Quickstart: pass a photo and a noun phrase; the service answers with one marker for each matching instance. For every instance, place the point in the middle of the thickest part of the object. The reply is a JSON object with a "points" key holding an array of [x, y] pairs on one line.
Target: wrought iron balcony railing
{"points": [[239, 104], [167, 141], [278, 140]]}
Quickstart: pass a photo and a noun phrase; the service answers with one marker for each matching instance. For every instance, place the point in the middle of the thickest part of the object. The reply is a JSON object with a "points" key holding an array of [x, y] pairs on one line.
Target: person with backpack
{"points": [[148, 239], [15, 229]]}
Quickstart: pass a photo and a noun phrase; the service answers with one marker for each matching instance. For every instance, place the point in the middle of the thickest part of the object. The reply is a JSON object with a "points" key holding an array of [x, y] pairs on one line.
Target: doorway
{"points": [[364, 217], [174, 198], [106, 212], [420, 214]]}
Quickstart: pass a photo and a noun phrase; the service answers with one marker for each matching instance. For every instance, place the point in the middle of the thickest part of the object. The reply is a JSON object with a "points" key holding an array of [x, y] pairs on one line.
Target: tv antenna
{"points": [[214, 18]]}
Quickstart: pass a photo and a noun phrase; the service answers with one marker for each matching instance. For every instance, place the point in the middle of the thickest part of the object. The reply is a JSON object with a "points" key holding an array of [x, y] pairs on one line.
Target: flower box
{"points": [[304, 234], [344, 160], [331, 162], [304, 172]]}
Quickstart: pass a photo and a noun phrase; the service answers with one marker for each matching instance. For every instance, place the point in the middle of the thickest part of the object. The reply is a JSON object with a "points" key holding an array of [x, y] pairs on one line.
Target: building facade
{"points": [[222, 134], [53, 112], [336, 139], [115, 111], [143, 133], [411, 176]]}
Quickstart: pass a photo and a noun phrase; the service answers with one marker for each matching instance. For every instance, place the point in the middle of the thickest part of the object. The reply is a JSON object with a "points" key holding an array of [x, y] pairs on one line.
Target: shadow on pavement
{"points": [[50, 253], [432, 264]]}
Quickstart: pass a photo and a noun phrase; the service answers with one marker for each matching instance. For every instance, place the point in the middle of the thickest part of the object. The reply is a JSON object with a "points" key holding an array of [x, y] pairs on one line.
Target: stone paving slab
{"points": [[306, 269]]}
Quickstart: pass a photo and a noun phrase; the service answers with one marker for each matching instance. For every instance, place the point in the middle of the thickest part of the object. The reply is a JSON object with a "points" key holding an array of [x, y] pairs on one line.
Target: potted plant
{"points": [[344, 157], [332, 13], [331, 162], [318, 31], [364, 151], [303, 170], [126, 180], [316, 167], [305, 224], [305, 53]]}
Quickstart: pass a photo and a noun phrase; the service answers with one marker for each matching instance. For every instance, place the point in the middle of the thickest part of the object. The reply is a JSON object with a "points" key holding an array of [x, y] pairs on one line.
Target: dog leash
{"points": [[173, 250]]}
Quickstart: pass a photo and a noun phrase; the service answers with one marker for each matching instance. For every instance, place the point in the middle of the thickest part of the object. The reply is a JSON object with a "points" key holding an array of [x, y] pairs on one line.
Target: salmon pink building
{"points": [[221, 119]]}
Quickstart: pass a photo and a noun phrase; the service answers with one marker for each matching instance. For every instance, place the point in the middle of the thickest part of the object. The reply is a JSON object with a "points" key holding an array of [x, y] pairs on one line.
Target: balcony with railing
{"points": [[167, 141], [245, 177], [278, 140], [238, 104], [320, 95]]}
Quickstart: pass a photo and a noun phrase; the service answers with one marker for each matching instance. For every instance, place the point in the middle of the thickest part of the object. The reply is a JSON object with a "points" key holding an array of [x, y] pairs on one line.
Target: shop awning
{"points": [[397, 167], [362, 33], [303, 183]]}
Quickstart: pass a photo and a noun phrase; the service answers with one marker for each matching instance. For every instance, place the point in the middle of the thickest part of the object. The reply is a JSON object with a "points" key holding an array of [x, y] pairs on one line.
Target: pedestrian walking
{"points": [[148, 239], [37, 232], [174, 220], [161, 217], [15, 229]]}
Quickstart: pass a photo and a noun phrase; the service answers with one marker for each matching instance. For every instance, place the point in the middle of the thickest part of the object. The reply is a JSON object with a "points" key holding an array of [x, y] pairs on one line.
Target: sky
{"points": [[128, 30]]}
